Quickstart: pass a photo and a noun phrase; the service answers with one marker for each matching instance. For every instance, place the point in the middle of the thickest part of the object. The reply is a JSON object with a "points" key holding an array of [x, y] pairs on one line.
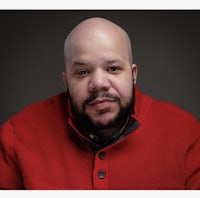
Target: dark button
{"points": [[101, 174], [102, 155]]}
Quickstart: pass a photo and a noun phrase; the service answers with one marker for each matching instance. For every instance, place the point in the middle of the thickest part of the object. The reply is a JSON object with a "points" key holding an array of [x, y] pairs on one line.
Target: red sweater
{"points": [[40, 148]]}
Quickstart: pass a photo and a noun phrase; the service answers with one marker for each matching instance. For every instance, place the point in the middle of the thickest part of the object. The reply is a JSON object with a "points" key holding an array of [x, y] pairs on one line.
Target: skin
{"points": [[98, 61]]}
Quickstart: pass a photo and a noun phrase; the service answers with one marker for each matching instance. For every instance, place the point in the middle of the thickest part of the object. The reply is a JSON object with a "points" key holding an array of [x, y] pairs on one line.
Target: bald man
{"points": [[102, 133]]}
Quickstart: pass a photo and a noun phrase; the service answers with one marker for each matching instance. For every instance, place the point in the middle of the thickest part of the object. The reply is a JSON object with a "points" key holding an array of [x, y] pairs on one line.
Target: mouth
{"points": [[101, 103], [101, 100]]}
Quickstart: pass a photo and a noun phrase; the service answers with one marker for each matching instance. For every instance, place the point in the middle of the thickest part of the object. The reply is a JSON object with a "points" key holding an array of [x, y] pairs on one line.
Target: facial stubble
{"points": [[84, 120]]}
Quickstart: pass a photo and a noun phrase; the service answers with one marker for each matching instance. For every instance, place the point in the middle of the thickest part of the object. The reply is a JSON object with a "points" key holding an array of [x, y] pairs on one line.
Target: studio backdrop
{"points": [[166, 49]]}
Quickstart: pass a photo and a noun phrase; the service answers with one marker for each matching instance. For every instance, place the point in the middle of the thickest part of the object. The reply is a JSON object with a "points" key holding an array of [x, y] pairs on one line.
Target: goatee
{"points": [[84, 120]]}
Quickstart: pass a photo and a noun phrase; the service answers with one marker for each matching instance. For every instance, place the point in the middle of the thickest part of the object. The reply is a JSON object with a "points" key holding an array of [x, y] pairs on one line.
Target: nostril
{"points": [[92, 90], [105, 88]]}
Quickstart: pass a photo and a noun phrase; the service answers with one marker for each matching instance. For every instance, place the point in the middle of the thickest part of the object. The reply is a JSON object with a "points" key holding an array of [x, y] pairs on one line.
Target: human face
{"points": [[99, 79]]}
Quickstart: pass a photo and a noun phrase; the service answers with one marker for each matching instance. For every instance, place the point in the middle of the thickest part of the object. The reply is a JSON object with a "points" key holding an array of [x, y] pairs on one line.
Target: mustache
{"points": [[95, 96]]}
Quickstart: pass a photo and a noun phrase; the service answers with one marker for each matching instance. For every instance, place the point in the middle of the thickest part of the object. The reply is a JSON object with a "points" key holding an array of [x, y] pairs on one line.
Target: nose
{"points": [[99, 82]]}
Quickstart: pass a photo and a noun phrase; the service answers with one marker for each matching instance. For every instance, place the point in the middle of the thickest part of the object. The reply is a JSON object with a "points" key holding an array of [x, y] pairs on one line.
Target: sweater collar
{"points": [[142, 105]]}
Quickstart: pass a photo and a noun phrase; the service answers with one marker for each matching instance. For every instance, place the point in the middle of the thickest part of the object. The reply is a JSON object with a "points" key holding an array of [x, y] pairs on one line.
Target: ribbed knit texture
{"points": [[40, 148]]}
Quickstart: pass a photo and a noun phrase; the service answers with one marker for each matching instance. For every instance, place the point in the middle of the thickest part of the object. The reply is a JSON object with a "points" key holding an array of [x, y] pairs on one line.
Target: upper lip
{"points": [[101, 100]]}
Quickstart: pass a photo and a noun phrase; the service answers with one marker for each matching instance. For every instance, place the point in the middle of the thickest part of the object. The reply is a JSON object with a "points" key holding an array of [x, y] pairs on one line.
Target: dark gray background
{"points": [[166, 49]]}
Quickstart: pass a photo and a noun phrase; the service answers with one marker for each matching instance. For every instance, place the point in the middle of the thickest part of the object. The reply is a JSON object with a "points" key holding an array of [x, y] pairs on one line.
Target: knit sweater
{"points": [[41, 148]]}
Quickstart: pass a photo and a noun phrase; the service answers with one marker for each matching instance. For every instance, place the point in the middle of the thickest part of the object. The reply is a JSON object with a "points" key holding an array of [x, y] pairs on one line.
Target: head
{"points": [[100, 75]]}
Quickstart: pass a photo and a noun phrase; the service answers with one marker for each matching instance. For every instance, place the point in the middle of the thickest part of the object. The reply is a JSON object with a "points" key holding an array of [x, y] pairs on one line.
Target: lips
{"points": [[101, 101], [102, 105]]}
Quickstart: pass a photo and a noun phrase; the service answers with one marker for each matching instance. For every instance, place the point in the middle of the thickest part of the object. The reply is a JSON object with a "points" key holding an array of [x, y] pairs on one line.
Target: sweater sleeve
{"points": [[10, 177], [192, 165]]}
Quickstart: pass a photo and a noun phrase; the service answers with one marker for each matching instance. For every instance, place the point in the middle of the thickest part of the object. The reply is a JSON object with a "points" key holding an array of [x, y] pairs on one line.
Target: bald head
{"points": [[96, 29]]}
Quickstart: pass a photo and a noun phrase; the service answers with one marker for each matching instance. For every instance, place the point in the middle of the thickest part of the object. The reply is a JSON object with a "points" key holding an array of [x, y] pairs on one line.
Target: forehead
{"points": [[97, 57], [98, 45]]}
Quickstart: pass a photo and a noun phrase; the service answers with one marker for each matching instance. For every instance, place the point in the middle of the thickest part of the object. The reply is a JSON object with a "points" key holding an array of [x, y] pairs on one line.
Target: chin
{"points": [[104, 121]]}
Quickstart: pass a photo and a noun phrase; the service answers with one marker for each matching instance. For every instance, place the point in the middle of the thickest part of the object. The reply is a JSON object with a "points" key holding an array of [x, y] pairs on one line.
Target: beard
{"points": [[84, 120]]}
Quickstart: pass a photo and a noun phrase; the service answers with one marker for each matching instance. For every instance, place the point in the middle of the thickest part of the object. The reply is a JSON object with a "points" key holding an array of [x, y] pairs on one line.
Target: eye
{"points": [[114, 69], [81, 73]]}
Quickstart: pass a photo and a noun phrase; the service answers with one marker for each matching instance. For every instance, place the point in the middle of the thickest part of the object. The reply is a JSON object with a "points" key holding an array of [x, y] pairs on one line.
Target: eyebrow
{"points": [[112, 61], [79, 63]]}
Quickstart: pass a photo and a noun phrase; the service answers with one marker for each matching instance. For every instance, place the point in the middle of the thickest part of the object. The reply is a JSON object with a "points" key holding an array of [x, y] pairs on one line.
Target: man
{"points": [[103, 133]]}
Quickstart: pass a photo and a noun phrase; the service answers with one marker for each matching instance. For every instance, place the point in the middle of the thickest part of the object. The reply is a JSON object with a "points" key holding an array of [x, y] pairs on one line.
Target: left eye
{"points": [[113, 69]]}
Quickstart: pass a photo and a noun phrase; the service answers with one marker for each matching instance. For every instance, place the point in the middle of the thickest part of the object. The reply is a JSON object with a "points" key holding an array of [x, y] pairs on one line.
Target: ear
{"points": [[134, 73], [64, 79]]}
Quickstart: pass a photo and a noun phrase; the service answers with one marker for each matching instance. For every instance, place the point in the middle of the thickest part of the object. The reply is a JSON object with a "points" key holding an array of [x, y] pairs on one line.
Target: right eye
{"points": [[81, 73]]}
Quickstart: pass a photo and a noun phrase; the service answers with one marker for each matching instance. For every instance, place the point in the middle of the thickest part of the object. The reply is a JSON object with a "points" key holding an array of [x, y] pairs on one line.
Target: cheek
{"points": [[78, 92], [124, 87]]}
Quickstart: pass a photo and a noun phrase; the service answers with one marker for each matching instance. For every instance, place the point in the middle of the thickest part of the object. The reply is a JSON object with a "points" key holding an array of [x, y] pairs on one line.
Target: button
{"points": [[101, 174], [94, 137], [102, 155]]}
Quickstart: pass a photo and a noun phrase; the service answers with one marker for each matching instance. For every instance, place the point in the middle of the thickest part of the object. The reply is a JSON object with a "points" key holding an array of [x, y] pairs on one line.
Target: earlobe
{"points": [[134, 73]]}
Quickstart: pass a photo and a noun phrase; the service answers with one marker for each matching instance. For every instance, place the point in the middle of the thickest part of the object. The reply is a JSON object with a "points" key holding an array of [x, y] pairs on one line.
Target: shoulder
{"points": [[175, 120], [149, 107], [173, 112], [37, 120], [42, 110], [168, 117]]}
